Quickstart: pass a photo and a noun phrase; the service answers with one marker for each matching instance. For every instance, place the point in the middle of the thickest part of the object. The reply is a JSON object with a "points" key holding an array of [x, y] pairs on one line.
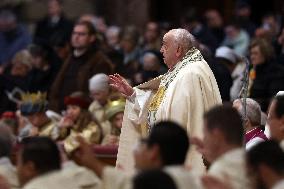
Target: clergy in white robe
{"points": [[182, 177], [182, 95], [231, 166], [8, 171]]}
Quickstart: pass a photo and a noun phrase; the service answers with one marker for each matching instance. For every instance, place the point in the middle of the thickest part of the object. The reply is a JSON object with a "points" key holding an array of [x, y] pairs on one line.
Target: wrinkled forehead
{"points": [[167, 37]]}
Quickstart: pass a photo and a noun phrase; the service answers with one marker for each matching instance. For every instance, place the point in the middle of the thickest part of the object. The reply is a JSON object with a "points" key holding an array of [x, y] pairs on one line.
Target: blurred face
{"points": [[243, 12], [142, 156], [81, 39], [213, 19], [73, 112], [117, 120], [100, 96], [150, 63], [254, 174], [276, 125], [127, 45], [210, 143], [54, 8], [256, 56], [7, 25], [25, 171], [169, 50], [36, 119], [151, 33], [19, 69], [112, 38], [37, 62], [231, 32]]}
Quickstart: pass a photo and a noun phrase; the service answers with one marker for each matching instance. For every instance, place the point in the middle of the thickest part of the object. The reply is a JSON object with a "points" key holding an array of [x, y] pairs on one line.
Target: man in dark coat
{"points": [[54, 25], [85, 61]]}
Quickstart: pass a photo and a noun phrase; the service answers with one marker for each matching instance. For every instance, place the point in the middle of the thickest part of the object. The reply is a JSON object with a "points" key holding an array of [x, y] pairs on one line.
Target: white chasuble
{"points": [[181, 95]]}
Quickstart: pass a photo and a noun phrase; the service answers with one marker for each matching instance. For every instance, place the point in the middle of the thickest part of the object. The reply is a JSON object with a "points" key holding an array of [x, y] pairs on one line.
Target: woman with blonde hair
{"points": [[266, 76]]}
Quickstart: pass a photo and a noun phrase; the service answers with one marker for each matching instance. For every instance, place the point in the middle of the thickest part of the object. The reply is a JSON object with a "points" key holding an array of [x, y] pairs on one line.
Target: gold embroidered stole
{"points": [[191, 56]]}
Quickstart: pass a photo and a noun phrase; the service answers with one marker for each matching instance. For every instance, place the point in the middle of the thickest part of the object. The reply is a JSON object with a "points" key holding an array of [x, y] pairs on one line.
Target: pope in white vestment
{"points": [[182, 95]]}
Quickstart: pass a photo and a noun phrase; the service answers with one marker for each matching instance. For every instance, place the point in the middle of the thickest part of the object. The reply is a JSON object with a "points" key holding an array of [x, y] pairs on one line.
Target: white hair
{"points": [[253, 111], [99, 82], [114, 30], [183, 38], [151, 55]]}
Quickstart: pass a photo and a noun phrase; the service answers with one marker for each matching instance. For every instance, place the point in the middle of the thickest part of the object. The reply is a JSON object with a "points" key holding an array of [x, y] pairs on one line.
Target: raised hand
{"points": [[85, 156], [120, 84]]}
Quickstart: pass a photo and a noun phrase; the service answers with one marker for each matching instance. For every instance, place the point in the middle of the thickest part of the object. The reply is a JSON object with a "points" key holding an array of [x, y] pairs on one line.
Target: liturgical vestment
{"points": [[181, 95]]}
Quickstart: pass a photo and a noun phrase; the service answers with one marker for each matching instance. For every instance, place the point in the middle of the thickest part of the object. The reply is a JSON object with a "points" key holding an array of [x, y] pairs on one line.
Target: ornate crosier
{"points": [[244, 90]]}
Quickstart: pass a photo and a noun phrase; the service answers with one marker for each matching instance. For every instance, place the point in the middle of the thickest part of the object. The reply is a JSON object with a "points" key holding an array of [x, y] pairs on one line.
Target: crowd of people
{"points": [[194, 107]]}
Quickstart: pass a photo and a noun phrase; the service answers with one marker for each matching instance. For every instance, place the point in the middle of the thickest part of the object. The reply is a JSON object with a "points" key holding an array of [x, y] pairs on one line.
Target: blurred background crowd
{"points": [[56, 55]]}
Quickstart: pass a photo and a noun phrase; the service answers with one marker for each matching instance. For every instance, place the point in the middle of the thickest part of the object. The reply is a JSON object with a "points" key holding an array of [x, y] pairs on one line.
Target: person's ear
{"points": [[30, 166], [30, 169], [218, 135], [282, 123], [92, 38], [179, 51], [264, 171], [154, 152], [246, 122]]}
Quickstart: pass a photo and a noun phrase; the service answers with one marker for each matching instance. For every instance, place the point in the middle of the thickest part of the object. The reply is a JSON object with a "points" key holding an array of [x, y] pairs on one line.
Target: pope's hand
{"points": [[120, 84]]}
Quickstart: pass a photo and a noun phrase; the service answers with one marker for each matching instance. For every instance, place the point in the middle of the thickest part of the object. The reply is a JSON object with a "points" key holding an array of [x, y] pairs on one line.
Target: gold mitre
{"points": [[33, 97], [33, 102]]}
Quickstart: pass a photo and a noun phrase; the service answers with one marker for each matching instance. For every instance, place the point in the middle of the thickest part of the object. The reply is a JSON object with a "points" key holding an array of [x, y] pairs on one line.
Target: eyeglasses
{"points": [[80, 33]]}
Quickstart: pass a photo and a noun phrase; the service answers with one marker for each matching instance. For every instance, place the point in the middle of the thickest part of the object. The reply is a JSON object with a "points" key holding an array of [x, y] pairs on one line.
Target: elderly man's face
{"points": [[169, 49], [100, 96]]}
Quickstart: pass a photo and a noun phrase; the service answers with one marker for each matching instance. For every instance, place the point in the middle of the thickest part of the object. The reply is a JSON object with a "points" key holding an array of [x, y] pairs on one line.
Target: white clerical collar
{"points": [[4, 160], [279, 184], [78, 53]]}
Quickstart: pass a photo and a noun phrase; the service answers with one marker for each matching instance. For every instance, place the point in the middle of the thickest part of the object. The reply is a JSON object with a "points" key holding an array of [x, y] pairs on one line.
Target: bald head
{"points": [[175, 45], [182, 38]]}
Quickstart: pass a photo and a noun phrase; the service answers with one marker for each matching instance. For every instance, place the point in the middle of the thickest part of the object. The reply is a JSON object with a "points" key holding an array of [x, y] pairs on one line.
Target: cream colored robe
{"points": [[9, 172], [52, 180], [70, 177], [83, 177], [99, 113], [192, 89], [232, 166], [183, 178], [279, 185]]}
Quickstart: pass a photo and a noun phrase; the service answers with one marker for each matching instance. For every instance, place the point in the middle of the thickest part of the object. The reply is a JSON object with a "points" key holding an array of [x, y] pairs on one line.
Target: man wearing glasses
{"points": [[84, 61]]}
